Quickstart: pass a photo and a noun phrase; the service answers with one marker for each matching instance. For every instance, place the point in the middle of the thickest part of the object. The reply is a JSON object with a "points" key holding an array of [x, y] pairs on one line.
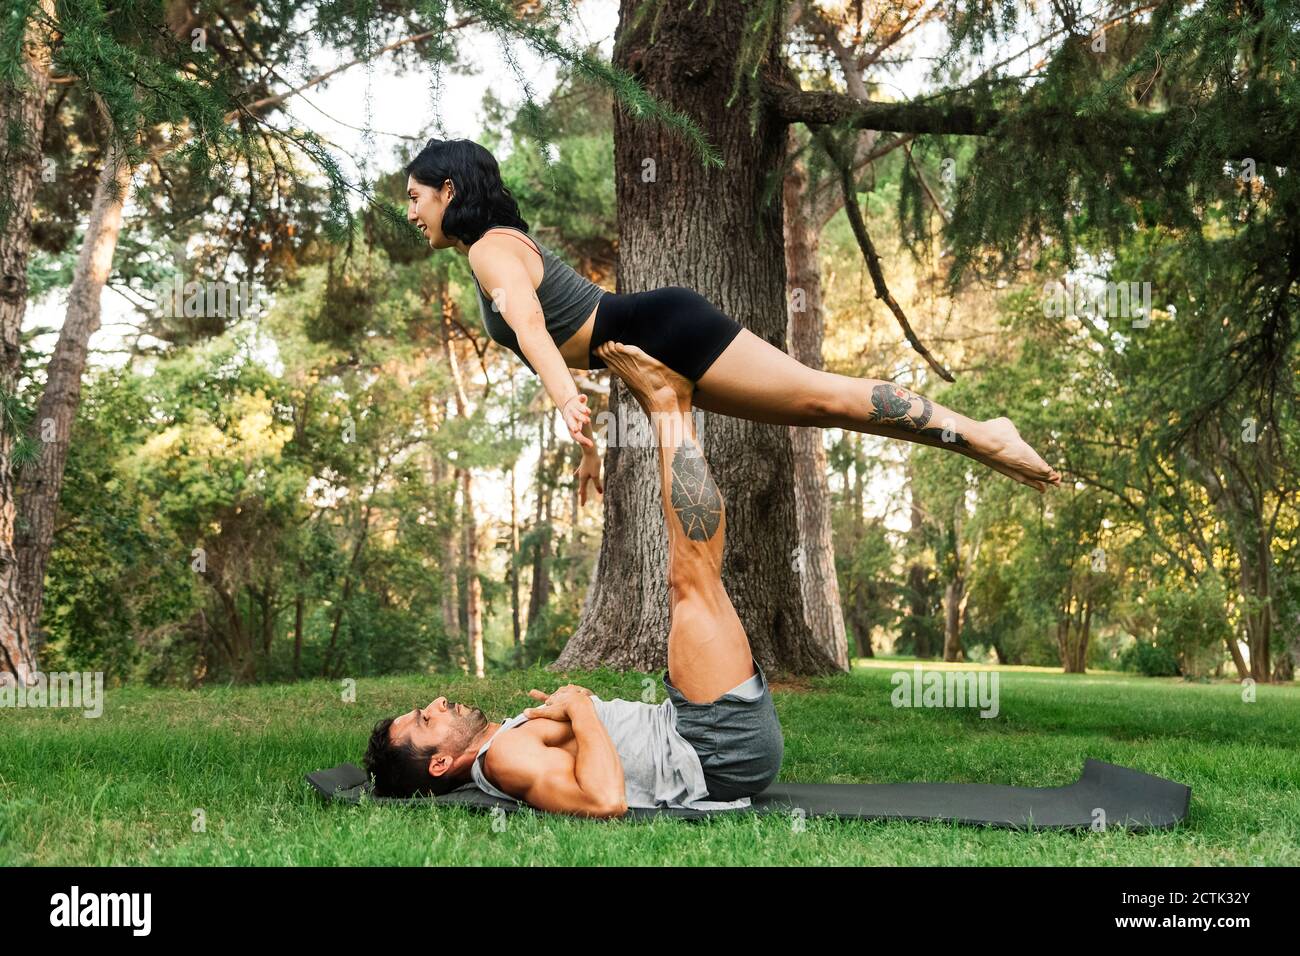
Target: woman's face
{"points": [[425, 206]]}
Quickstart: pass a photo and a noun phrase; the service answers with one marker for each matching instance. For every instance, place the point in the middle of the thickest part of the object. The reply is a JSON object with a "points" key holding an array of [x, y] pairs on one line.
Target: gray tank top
{"points": [[660, 767], [566, 298]]}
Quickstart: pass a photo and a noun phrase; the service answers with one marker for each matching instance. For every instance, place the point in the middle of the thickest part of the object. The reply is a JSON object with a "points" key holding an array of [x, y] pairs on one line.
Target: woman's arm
{"points": [[501, 271], [540, 350]]}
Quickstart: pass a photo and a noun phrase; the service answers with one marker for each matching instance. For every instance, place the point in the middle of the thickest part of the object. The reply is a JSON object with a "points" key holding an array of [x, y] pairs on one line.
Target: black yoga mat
{"points": [[1129, 799]]}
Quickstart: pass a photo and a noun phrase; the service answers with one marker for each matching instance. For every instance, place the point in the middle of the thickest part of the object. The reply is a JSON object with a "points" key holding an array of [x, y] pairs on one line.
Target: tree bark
{"points": [[855, 609], [22, 127], [41, 480], [709, 229], [1241, 506], [266, 610], [473, 586], [540, 593], [297, 633], [791, 104], [917, 574], [469, 526], [953, 602], [815, 559], [515, 628], [1084, 636]]}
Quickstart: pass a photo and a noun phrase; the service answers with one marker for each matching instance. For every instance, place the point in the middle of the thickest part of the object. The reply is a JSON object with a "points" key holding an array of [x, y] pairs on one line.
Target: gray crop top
{"points": [[566, 297]]}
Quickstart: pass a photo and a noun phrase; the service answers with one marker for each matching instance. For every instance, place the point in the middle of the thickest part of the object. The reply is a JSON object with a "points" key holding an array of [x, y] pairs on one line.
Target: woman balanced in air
{"points": [[555, 320]]}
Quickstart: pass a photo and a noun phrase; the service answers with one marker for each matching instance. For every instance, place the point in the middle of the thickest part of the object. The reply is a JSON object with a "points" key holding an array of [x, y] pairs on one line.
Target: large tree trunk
{"points": [[41, 479], [815, 559], [22, 126], [681, 223]]}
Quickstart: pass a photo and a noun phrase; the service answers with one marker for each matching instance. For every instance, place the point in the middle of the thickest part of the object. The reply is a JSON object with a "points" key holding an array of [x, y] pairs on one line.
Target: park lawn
{"points": [[123, 788]]}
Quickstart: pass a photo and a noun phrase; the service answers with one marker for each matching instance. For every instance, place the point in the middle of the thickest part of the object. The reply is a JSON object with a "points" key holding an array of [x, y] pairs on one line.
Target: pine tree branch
{"points": [[826, 108], [269, 101], [925, 185], [873, 258]]}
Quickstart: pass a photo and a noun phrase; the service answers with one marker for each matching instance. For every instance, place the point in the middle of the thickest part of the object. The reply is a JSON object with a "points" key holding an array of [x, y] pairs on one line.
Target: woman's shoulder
{"points": [[507, 242], [508, 237]]}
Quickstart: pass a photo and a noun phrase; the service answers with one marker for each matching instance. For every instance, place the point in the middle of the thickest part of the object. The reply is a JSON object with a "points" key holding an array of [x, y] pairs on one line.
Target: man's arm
{"points": [[549, 778]]}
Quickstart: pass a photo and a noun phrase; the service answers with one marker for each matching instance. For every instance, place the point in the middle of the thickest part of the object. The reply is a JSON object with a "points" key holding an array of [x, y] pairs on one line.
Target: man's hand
{"points": [[538, 695], [556, 705]]}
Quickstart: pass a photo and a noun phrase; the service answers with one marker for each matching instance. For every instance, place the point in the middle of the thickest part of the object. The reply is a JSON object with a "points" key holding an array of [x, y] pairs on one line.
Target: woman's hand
{"points": [[589, 470], [576, 415]]}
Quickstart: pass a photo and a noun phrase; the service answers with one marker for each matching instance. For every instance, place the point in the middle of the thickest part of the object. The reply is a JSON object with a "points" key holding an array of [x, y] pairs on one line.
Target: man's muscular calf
{"points": [[708, 650]]}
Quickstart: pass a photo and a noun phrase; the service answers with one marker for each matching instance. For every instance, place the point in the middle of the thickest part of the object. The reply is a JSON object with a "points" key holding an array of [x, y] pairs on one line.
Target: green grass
{"points": [[121, 789]]}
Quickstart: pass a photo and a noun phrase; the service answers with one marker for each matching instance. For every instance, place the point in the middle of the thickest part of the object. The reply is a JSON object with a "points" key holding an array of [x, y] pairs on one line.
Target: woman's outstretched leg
{"points": [[755, 380]]}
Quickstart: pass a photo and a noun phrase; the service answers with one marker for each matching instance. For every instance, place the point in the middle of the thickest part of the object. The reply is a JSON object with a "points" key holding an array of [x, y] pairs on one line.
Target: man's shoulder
{"points": [[519, 756], [513, 744]]}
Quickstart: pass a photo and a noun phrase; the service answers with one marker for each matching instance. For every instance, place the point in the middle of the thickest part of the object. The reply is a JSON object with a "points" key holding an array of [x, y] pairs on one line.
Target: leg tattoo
{"points": [[892, 405], [695, 497]]}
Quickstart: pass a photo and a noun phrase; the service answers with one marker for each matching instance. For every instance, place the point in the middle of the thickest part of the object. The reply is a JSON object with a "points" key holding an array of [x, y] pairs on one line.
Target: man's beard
{"points": [[466, 728]]}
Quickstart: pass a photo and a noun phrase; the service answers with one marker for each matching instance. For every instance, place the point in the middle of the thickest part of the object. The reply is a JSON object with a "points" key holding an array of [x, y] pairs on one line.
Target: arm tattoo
{"points": [[892, 404], [694, 495]]}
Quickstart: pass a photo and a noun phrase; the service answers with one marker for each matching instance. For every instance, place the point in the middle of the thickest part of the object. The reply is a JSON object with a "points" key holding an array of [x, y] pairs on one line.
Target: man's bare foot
{"points": [[1004, 450], [654, 384]]}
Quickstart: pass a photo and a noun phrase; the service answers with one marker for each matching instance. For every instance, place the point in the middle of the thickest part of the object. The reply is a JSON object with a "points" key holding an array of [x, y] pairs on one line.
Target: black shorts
{"points": [[676, 325]]}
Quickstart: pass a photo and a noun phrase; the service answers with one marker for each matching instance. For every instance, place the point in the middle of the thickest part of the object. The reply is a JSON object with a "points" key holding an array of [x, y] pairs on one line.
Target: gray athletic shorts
{"points": [[737, 736]]}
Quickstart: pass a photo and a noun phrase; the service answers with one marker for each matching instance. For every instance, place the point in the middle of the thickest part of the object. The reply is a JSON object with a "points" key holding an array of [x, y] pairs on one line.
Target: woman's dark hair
{"points": [[402, 770], [481, 200]]}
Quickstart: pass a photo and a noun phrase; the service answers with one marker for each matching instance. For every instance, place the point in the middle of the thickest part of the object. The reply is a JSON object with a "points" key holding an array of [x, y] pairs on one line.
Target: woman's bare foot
{"points": [[653, 383], [1002, 449]]}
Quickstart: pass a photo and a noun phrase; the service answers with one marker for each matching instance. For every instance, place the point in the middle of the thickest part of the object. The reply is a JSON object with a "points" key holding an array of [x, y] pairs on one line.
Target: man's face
{"points": [[448, 726]]}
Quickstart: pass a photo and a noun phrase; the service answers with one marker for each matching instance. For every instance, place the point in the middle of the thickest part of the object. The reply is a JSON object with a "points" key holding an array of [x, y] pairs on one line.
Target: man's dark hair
{"points": [[481, 200], [402, 770]]}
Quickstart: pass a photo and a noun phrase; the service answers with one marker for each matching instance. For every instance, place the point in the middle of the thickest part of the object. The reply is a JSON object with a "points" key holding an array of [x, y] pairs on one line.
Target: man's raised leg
{"points": [[708, 651]]}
